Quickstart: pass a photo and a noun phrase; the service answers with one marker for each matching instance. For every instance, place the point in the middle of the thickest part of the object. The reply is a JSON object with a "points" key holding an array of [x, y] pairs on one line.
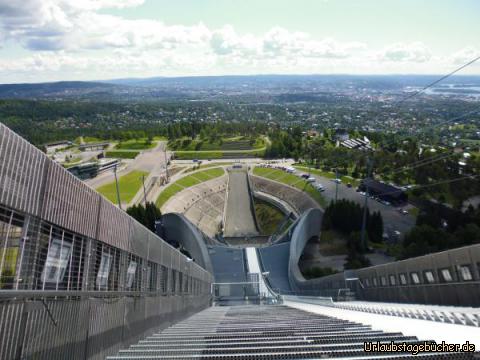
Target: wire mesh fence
{"points": [[79, 278]]}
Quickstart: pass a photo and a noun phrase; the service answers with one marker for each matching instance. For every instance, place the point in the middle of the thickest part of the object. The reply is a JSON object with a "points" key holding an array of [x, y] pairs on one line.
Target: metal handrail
{"points": [[22, 294], [445, 314]]}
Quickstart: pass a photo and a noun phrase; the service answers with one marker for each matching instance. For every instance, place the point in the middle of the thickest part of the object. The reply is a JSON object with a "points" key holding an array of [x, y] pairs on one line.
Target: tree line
{"points": [[346, 217]]}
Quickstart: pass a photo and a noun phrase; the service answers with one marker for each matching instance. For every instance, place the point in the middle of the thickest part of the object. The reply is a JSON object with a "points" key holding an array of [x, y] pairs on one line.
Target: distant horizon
{"points": [[241, 75]]}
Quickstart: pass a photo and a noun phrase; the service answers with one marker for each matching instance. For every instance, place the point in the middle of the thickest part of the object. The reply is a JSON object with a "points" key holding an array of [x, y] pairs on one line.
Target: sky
{"points": [[52, 40]]}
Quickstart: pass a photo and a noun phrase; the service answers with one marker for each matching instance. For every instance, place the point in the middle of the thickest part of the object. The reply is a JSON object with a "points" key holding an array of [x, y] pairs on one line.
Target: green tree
{"points": [[145, 215], [423, 240], [375, 227]]}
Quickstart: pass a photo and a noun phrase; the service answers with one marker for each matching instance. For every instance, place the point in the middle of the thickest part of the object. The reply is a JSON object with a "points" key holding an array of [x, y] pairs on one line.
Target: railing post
{"points": [[87, 334], [87, 261], [22, 330]]}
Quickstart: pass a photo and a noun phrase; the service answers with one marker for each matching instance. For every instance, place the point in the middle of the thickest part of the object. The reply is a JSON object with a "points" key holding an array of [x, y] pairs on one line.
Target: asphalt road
{"points": [[239, 219], [151, 161]]}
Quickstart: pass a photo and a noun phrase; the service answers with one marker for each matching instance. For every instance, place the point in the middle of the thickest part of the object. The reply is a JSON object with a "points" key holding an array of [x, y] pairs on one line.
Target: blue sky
{"points": [[47, 40]]}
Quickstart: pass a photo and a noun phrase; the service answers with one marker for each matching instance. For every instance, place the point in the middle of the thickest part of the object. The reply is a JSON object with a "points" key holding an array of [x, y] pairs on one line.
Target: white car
{"points": [[338, 181], [311, 179]]}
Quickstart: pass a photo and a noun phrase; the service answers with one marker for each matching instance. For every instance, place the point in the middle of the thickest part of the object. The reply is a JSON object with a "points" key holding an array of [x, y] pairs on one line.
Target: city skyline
{"points": [[54, 40]]}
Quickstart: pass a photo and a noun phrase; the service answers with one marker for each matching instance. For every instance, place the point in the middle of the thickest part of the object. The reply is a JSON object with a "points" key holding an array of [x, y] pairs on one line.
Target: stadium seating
{"points": [[295, 198]]}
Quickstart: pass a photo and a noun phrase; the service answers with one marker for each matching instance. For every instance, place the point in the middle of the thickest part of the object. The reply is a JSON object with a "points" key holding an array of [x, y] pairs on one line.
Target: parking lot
{"points": [[397, 221]]}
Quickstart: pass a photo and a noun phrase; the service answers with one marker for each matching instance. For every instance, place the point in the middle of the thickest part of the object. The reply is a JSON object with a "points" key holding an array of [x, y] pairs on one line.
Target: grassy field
{"points": [[473, 142], [239, 143], [206, 166], [332, 243], [119, 154], [140, 144], [292, 180], [268, 216], [128, 184], [414, 211], [205, 155], [186, 182], [87, 140]]}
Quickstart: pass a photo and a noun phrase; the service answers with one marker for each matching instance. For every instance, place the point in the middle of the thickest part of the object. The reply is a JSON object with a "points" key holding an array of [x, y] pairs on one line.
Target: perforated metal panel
{"points": [[95, 278]]}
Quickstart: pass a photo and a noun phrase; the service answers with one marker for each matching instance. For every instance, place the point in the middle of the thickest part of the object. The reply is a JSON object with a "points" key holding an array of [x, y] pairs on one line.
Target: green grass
{"points": [[268, 216], [239, 143], [204, 155], [213, 173], [314, 193], [202, 176], [414, 211], [292, 180], [128, 184], [167, 193], [140, 144], [186, 182], [122, 154], [189, 155], [470, 141], [206, 166], [332, 243], [88, 140]]}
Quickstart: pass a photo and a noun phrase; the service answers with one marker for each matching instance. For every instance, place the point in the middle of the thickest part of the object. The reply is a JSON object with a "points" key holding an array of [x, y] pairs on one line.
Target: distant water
{"points": [[466, 90]]}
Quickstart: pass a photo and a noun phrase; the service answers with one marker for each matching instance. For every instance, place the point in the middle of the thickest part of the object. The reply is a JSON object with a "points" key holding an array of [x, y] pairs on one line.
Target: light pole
{"points": [[116, 185], [365, 206], [336, 184], [166, 161], [144, 191]]}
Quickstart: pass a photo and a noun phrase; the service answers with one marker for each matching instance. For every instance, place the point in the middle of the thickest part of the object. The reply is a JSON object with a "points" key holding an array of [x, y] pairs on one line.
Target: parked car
{"points": [[305, 176], [311, 179], [338, 181]]}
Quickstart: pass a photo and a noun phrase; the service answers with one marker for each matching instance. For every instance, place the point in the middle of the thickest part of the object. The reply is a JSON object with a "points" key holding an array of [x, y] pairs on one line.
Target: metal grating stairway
{"points": [[268, 332]]}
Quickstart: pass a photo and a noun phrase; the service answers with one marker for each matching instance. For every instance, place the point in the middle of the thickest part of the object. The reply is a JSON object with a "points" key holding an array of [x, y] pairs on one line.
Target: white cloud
{"points": [[73, 25], [465, 55], [402, 52], [101, 4], [73, 38], [279, 42], [226, 41]]}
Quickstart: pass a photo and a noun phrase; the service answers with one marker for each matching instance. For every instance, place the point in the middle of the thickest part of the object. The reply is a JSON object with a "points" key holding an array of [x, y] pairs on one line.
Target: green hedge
{"points": [[122, 154]]}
